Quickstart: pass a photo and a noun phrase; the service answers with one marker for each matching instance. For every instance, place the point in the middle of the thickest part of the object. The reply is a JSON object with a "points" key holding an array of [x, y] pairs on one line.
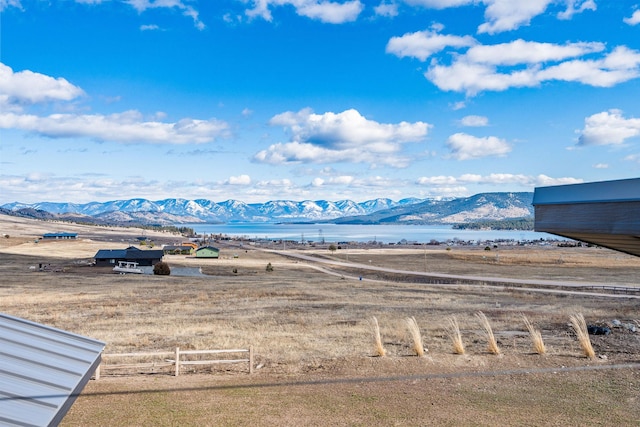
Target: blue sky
{"points": [[259, 100]]}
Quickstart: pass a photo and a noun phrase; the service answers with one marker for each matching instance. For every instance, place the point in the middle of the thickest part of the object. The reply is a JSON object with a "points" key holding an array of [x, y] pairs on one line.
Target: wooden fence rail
{"points": [[177, 360]]}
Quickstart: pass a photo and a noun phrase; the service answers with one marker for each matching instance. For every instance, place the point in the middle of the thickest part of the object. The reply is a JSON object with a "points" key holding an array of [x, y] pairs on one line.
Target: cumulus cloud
{"points": [[386, 9], [239, 180], [577, 6], [324, 11], [20, 89], [507, 15], [496, 178], [634, 19], [474, 121], [340, 137], [518, 52], [334, 180], [127, 127], [608, 128], [464, 146], [423, 44], [26, 87], [518, 63]]}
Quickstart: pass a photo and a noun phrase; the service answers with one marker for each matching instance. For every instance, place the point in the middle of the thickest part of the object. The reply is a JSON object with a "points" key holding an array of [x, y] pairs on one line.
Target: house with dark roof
{"points": [[110, 257]]}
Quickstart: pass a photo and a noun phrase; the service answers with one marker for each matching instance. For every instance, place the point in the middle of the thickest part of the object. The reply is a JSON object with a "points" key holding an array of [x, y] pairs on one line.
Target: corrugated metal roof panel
{"points": [[42, 371]]}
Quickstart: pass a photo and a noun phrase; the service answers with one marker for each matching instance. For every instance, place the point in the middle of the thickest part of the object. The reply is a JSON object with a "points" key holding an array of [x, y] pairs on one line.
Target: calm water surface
{"points": [[361, 233]]}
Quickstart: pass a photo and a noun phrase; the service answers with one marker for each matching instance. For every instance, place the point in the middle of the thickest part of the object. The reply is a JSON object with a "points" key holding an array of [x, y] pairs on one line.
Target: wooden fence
{"points": [[177, 360]]}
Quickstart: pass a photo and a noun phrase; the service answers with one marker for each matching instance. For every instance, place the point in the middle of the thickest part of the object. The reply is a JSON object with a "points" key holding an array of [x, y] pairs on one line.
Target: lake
{"points": [[362, 233]]}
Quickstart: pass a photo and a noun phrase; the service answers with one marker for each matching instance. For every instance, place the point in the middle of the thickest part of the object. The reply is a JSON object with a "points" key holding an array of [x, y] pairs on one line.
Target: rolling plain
{"points": [[310, 326]]}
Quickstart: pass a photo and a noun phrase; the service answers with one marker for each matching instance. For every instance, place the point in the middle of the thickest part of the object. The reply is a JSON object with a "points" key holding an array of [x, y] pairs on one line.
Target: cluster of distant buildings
{"points": [[142, 257]]}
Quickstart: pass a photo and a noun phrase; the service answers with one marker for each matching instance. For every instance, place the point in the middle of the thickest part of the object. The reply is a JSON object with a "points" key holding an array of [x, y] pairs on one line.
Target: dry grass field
{"points": [[315, 353]]}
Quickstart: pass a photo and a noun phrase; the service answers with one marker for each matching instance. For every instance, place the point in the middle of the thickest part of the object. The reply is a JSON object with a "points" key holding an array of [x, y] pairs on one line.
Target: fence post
{"points": [[251, 359], [177, 361]]}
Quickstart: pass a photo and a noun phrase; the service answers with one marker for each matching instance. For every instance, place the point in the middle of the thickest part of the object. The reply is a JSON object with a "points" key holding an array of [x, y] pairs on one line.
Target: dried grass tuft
{"points": [[379, 348], [580, 327], [536, 336], [414, 330], [491, 339], [453, 331]]}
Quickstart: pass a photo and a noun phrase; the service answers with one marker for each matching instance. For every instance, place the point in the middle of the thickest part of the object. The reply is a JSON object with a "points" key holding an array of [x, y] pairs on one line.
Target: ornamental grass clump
{"points": [[580, 327], [536, 336], [453, 330], [414, 330], [379, 348], [491, 339]]}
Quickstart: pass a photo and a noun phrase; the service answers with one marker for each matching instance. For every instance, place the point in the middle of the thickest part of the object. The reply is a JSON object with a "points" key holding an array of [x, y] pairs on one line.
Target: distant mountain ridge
{"points": [[484, 206]]}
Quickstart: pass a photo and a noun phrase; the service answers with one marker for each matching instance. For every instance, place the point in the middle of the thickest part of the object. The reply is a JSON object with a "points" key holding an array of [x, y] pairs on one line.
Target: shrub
{"points": [[269, 267], [162, 269]]}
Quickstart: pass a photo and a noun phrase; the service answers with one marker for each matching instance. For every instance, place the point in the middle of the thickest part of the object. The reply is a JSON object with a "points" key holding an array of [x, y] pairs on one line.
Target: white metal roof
{"points": [[42, 371]]}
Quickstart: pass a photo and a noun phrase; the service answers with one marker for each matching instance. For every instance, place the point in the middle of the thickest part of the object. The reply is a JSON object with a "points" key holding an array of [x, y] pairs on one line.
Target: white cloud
{"points": [[577, 6], [386, 9], [496, 178], [439, 4], [341, 137], [423, 44], [10, 3], [527, 64], [275, 183], [26, 87], [633, 158], [340, 180], [519, 52], [127, 127], [150, 27], [188, 11], [474, 121], [239, 180], [601, 166], [464, 146], [634, 19], [324, 11], [506, 15], [349, 129], [608, 128]]}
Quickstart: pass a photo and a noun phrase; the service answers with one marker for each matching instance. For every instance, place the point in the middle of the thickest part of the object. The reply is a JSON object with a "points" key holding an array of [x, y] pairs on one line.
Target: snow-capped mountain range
{"points": [[493, 206]]}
